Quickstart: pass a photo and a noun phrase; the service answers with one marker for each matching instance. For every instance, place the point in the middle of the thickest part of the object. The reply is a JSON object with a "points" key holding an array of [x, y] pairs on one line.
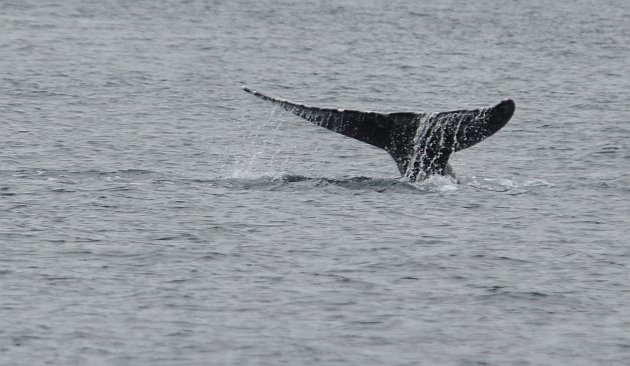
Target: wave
{"points": [[287, 181], [301, 182], [435, 184]]}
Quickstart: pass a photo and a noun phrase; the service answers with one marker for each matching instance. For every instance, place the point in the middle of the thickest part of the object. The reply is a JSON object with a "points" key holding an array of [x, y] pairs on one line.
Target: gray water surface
{"points": [[152, 213]]}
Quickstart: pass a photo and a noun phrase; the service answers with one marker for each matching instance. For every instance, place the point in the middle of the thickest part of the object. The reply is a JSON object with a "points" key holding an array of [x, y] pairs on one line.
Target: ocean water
{"points": [[152, 213]]}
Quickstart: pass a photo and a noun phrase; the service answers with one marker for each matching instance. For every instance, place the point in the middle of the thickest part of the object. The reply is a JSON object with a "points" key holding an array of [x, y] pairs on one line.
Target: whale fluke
{"points": [[420, 143]]}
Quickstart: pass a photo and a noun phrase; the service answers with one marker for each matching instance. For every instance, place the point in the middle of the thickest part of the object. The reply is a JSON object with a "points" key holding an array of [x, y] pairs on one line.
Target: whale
{"points": [[420, 143]]}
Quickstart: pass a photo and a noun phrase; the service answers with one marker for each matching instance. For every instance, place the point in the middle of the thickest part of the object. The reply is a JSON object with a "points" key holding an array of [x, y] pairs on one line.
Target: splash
{"points": [[261, 159]]}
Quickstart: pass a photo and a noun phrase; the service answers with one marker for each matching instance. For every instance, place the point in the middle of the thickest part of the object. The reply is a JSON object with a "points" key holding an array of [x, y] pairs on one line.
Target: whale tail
{"points": [[420, 143]]}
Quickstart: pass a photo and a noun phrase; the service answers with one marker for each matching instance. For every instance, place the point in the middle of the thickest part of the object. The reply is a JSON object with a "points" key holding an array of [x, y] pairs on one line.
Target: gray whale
{"points": [[420, 143]]}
